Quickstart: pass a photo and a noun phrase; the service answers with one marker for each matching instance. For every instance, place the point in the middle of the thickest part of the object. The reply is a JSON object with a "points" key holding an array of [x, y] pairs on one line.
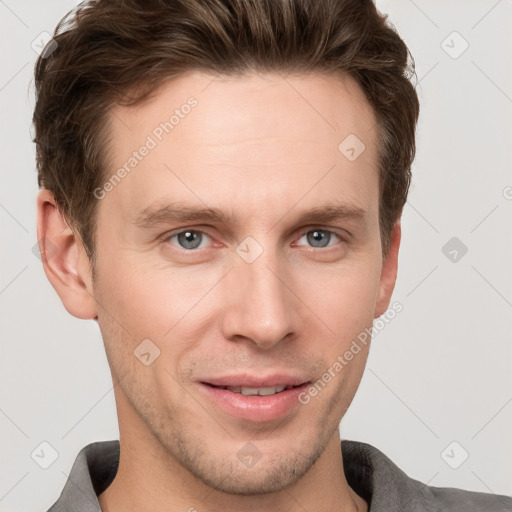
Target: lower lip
{"points": [[255, 408]]}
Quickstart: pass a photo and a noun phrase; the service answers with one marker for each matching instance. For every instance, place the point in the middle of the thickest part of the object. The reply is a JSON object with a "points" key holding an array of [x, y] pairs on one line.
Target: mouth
{"points": [[254, 403]]}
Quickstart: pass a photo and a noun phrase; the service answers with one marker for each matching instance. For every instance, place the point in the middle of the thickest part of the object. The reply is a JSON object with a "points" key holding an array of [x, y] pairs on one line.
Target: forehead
{"points": [[329, 102], [255, 140]]}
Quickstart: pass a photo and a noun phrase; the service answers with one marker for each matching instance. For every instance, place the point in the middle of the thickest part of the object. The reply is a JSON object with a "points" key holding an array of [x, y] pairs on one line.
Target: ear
{"points": [[389, 271], [65, 261]]}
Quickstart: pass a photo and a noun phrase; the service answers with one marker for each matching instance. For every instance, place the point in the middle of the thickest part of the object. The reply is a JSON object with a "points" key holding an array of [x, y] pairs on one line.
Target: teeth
{"points": [[257, 391]]}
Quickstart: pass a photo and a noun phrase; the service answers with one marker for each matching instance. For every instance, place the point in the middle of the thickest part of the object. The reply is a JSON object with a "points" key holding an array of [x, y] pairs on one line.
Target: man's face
{"points": [[265, 294]]}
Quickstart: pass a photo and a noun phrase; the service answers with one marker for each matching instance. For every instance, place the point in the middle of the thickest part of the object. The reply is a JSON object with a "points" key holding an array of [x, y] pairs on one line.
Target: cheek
{"points": [[343, 298], [147, 301], [136, 306], [167, 306]]}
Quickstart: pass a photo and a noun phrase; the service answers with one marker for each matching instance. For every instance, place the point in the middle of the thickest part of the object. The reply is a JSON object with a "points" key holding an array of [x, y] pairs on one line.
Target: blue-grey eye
{"points": [[319, 238], [189, 239]]}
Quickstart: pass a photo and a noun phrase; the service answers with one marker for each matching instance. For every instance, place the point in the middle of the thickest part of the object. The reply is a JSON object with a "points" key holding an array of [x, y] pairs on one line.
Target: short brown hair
{"points": [[111, 52]]}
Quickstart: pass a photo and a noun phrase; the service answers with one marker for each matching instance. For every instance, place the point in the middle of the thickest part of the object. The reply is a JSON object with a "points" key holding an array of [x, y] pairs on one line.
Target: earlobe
{"points": [[64, 260], [389, 272]]}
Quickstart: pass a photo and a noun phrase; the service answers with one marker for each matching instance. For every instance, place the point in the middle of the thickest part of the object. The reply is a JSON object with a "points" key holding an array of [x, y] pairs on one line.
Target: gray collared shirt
{"points": [[372, 475]]}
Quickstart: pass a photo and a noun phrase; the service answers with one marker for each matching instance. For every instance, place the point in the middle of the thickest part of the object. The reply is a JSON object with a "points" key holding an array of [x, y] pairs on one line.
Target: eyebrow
{"points": [[156, 215]]}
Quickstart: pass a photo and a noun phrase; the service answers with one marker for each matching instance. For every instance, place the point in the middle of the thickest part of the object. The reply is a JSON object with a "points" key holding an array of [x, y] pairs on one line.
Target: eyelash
{"points": [[166, 237]]}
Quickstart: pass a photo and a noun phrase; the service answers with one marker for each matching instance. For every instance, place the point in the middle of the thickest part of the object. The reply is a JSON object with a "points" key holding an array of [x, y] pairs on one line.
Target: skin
{"points": [[265, 147]]}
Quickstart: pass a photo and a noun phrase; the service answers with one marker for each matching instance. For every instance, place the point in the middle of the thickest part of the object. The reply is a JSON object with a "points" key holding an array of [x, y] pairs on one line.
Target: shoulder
{"points": [[458, 500], [92, 472], [377, 479]]}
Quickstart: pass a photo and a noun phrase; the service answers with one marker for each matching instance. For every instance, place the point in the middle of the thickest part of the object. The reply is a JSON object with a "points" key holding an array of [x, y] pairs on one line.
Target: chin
{"points": [[270, 478], [265, 474]]}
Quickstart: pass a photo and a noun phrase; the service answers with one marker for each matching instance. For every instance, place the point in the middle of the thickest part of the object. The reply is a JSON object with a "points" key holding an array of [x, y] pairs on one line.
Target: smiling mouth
{"points": [[249, 391], [256, 400]]}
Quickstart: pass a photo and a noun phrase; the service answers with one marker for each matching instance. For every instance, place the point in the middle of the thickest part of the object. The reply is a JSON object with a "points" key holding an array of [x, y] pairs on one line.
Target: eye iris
{"points": [[319, 236], [189, 239]]}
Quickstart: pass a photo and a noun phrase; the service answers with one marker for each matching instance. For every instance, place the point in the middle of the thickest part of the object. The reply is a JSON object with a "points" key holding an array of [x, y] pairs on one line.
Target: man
{"points": [[222, 185]]}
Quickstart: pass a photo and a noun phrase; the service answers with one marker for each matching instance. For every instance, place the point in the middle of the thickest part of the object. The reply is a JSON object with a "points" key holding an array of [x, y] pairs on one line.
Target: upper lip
{"points": [[253, 381]]}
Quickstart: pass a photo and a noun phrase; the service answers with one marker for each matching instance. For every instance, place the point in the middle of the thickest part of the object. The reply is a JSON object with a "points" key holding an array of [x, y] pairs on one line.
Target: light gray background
{"points": [[438, 373]]}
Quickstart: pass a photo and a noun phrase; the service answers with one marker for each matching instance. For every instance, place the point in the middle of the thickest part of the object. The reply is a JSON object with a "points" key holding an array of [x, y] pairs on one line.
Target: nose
{"points": [[260, 305]]}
